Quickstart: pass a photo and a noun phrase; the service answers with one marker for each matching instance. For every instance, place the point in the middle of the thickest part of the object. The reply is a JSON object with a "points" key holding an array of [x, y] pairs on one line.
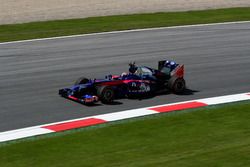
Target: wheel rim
{"points": [[108, 94], [179, 85]]}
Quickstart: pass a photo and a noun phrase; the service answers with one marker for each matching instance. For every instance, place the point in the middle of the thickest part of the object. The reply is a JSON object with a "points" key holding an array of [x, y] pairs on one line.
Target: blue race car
{"points": [[137, 82]]}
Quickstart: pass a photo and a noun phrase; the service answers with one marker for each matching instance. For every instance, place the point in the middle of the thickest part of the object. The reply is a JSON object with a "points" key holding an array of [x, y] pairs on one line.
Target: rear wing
{"points": [[161, 64], [178, 71]]}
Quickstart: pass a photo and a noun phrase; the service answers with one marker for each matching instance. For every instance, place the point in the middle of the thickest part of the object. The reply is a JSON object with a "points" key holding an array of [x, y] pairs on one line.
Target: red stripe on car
{"points": [[73, 98], [174, 107], [74, 124]]}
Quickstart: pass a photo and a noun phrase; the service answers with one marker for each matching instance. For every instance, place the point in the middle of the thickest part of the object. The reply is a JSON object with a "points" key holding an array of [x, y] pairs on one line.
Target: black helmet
{"points": [[132, 67]]}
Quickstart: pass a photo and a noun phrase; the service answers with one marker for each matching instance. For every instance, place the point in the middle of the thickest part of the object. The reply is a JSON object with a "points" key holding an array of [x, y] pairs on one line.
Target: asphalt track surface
{"points": [[216, 58]]}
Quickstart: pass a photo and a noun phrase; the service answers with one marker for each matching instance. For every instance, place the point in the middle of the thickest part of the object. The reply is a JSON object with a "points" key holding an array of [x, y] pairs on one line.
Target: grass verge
{"points": [[124, 22], [211, 136]]}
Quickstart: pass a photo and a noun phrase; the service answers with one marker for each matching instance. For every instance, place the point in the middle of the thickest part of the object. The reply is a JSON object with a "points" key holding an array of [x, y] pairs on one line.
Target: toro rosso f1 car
{"points": [[139, 81]]}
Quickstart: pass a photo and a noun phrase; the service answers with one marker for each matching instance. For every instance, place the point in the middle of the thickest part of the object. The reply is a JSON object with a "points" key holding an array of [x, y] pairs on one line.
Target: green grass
{"points": [[211, 136], [124, 22]]}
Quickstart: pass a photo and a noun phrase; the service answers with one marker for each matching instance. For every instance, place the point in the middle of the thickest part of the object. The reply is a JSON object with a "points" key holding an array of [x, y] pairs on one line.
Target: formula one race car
{"points": [[139, 81]]}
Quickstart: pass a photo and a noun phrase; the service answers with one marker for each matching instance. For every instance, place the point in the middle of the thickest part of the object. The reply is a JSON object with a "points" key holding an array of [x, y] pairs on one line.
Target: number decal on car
{"points": [[133, 84], [144, 87]]}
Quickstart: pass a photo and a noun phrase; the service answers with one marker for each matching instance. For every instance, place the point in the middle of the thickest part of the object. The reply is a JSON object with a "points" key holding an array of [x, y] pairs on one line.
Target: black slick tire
{"points": [[177, 85], [106, 94]]}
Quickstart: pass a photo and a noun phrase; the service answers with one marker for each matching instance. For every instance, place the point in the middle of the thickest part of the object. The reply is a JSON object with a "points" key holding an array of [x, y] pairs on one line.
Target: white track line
{"points": [[23, 133], [124, 31], [53, 127], [125, 114]]}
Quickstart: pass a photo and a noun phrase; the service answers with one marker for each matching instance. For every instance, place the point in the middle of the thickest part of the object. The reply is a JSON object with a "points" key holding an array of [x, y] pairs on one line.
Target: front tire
{"points": [[106, 94]]}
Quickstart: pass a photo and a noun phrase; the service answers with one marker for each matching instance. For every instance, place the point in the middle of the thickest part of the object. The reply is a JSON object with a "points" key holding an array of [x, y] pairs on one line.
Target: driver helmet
{"points": [[132, 68]]}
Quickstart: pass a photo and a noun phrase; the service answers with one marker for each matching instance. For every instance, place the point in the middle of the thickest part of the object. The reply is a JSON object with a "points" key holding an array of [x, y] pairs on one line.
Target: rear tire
{"points": [[81, 80], [177, 85], [106, 94]]}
